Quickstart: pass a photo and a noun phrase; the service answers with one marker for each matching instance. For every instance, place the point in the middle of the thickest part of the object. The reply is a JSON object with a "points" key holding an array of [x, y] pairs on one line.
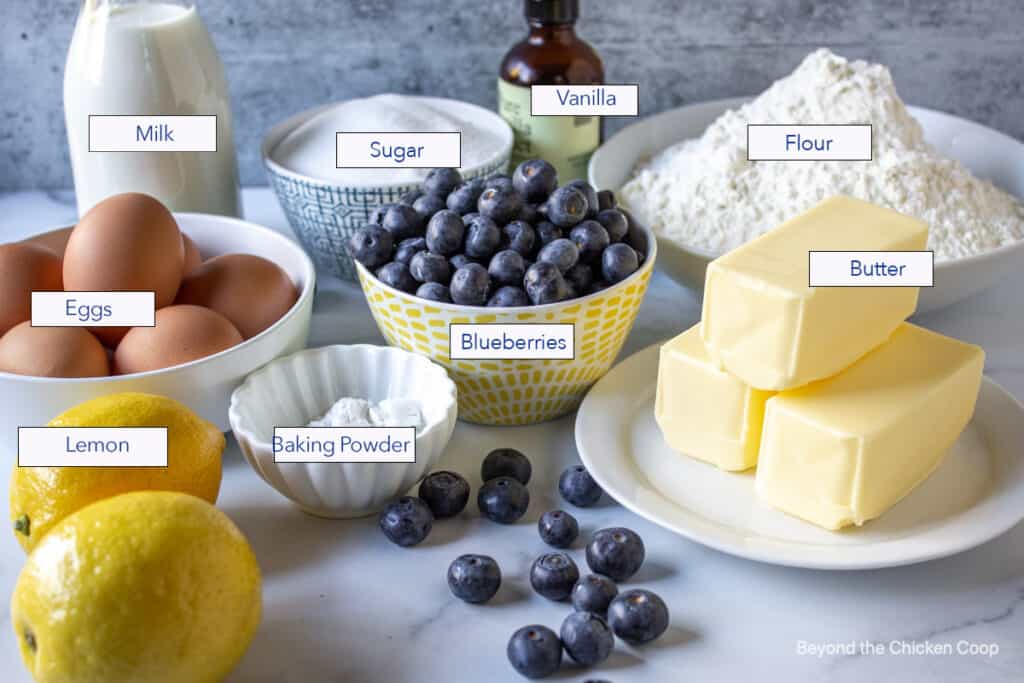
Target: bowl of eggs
{"points": [[230, 296]]}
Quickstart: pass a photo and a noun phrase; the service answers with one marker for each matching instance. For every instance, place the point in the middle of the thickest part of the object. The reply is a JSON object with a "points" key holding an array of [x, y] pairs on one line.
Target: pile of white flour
{"points": [[704, 193]]}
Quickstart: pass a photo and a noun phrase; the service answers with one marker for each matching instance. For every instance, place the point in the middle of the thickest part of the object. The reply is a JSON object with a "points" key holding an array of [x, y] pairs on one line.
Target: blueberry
{"points": [[547, 233], [617, 553], [470, 284], [566, 207], [503, 500], [598, 286], [535, 179], [474, 578], [589, 193], [593, 593], [499, 180], [467, 217], [371, 245], [500, 204], [587, 638], [464, 198], [534, 651], [427, 266], [544, 284], [606, 200], [519, 236], [615, 223], [591, 238], [403, 222], [638, 616], [531, 214], [377, 215], [406, 521], [558, 528], [509, 297], [459, 260], [410, 197], [483, 238], [553, 575], [441, 181], [562, 253], [445, 493], [618, 262], [434, 291], [408, 248], [507, 268], [506, 462], [578, 487], [429, 204], [397, 275], [636, 237], [445, 232], [581, 277]]}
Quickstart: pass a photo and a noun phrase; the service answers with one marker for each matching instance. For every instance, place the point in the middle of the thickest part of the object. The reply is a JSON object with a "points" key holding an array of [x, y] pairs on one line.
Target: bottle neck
{"points": [[548, 32]]}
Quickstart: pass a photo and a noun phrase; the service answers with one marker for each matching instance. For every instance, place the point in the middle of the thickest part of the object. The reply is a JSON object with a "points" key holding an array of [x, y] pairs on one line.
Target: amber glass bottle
{"points": [[551, 54]]}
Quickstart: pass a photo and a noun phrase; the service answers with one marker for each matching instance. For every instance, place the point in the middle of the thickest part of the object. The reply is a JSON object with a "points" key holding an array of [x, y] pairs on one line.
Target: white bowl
{"points": [[301, 387], [205, 385], [987, 153]]}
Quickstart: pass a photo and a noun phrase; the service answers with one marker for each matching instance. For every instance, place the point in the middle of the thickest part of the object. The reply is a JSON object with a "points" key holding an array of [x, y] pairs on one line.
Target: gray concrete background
{"points": [[961, 56]]}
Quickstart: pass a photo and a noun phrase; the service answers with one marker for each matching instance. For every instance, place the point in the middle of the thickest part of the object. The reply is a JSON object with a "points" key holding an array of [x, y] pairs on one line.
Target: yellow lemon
{"points": [[147, 587], [42, 496]]}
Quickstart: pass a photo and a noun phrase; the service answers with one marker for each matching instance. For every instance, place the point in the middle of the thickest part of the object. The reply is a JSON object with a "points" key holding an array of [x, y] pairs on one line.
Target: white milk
{"points": [[148, 58]]}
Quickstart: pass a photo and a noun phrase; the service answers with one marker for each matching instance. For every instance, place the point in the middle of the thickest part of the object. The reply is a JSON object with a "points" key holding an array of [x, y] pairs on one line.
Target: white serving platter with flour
{"points": [[988, 154], [976, 494]]}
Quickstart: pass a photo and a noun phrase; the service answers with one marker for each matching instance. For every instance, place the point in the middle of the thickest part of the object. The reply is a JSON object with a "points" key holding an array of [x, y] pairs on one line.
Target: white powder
{"points": [[358, 412], [704, 193]]}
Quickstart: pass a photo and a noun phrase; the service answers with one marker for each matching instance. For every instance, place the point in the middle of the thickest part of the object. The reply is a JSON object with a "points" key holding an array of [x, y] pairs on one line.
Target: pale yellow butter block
{"points": [[844, 450], [702, 410], [765, 325]]}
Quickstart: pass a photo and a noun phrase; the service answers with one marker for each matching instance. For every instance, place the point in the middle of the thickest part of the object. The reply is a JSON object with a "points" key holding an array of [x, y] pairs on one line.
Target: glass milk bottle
{"points": [[148, 58]]}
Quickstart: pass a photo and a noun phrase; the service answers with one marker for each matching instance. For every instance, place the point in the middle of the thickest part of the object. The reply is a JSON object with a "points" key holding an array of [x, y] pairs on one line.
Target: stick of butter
{"points": [[702, 410], [766, 325], [846, 449]]}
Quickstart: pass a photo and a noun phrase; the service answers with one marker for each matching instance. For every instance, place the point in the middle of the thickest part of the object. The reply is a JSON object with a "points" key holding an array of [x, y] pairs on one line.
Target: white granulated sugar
{"points": [[704, 193]]}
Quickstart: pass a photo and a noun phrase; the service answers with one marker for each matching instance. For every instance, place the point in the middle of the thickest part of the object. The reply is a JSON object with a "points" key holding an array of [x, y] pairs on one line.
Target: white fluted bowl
{"points": [[296, 389]]}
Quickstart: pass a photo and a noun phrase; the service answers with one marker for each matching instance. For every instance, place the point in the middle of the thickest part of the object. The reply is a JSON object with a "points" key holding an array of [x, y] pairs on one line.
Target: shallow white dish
{"points": [[975, 495], [292, 391], [205, 385], [987, 153]]}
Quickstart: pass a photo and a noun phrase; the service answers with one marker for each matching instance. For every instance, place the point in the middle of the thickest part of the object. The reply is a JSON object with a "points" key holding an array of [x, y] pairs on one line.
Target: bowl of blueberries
{"points": [[516, 249]]}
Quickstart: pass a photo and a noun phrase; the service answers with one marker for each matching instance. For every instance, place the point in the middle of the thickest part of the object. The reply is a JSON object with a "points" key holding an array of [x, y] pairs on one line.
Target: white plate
{"points": [[975, 495], [987, 153]]}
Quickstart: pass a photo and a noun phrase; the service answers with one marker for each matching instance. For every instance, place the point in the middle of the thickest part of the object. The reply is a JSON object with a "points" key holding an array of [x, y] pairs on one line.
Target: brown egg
{"points": [[55, 240], [192, 256], [128, 242], [52, 352], [181, 334], [250, 291], [25, 268]]}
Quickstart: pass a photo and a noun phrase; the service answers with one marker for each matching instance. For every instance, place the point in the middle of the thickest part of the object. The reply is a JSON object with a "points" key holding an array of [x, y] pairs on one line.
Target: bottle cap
{"points": [[553, 11]]}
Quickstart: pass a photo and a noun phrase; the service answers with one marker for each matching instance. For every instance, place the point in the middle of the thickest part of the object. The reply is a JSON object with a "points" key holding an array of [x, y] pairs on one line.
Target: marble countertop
{"points": [[343, 604]]}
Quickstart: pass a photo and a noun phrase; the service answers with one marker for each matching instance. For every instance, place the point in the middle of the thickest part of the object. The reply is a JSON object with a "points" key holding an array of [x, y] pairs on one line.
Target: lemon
{"points": [[147, 587], [42, 496]]}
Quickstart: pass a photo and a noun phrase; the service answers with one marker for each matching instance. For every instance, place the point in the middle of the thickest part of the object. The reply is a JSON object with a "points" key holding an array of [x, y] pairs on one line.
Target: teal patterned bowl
{"points": [[324, 215]]}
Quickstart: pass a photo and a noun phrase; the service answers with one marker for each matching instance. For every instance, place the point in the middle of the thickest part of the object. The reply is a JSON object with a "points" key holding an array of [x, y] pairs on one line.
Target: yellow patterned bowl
{"points": [[515, 392]]}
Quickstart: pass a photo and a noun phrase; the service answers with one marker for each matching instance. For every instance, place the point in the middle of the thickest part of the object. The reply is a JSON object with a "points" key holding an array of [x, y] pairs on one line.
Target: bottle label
{"points": [[585, 100], [566, 142]]}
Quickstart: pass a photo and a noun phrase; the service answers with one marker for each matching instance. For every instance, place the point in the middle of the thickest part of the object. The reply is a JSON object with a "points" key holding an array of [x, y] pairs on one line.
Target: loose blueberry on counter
{"points": [[589, 193], [587, 638], [562, 253], [371, 245], [406, 521], [535, 179], [606, 200], [434, 291], [581, 277], [547, 233], [445, 232], [445, 493], [618, 262], [544, 284], [615, 223], [508, 297], [616, 553], [464, 198], [534, 651], [483, 237], [377, 215], [591, 238], [459, 260], [531, 214], [553, 575], [408, 248], [506, 462], [397, 275], [474, 578], [427, 266], [499, 181], [501, 204], [503, 500], [519, 236], [578, 487], [507, 268], [638, 616], [593, 593], [403, 222], [470, 285], [566, 206], [410, 197], [441, 181], [429, 204], [558, 528]]}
